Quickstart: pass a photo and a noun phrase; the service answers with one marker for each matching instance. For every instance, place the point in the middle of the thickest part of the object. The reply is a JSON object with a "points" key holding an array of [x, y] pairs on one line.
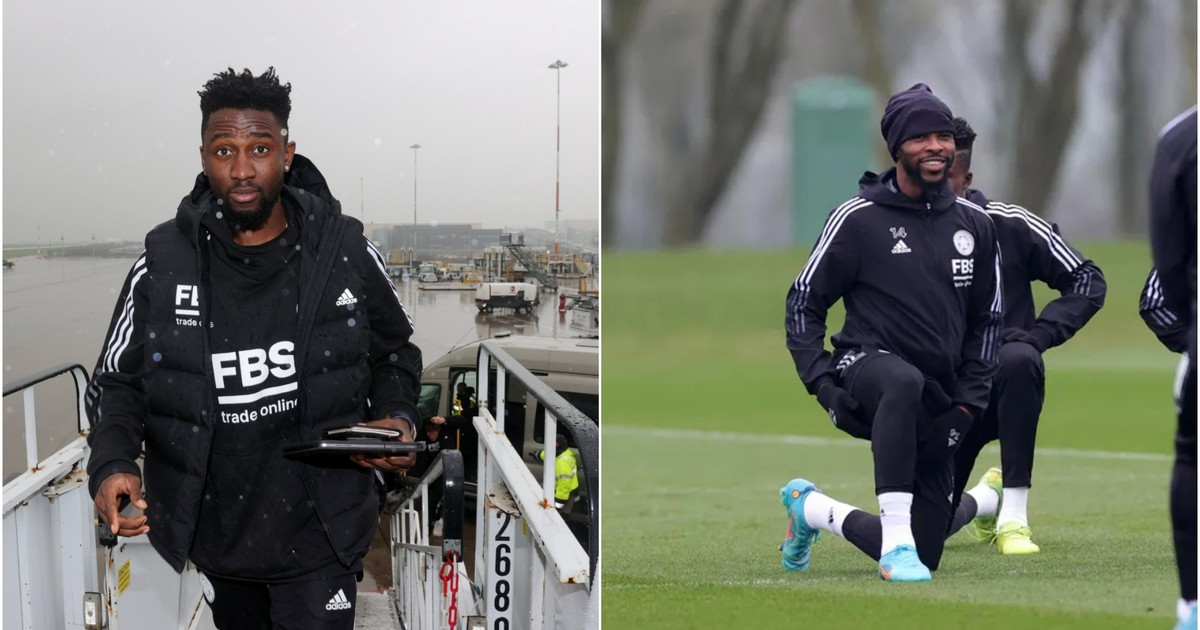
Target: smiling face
{"points": [[244, 155], [927, 159]]}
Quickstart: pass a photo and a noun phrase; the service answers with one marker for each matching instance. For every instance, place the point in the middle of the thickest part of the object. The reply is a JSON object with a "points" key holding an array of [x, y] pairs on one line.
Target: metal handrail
{"points": [[584, 433], [25, 385], [416, 599], [47, 374], [449, 466]]}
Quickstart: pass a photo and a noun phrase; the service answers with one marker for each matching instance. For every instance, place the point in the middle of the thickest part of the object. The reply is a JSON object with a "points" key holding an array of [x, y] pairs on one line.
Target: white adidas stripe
{"points": [[1176, 120], [381, 263], [971, 204], [992, 331], [124, 328], [1152, 303], [1058, 247], [832, 224]]}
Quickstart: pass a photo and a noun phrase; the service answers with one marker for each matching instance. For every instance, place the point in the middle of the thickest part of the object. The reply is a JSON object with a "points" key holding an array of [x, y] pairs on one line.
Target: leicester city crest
{"points": [[964, 242]]}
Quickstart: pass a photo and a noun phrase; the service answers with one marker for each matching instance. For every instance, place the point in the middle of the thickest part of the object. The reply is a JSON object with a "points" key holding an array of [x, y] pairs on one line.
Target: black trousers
{"points": [[1018, 393], [895, 401], [1183, 480], [326, 603]]}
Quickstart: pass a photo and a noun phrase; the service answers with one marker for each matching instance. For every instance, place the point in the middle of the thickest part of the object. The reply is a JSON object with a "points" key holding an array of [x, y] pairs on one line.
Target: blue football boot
{"points": [[797, 545], [903, 565]]}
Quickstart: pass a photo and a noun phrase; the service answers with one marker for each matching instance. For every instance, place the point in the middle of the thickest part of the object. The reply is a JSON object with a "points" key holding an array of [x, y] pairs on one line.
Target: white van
{"points": [[570, 367], [521, 296]]}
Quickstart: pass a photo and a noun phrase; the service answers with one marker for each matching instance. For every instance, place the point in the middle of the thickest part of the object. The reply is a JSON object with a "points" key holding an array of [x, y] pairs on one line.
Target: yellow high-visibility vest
{"points": [[566, 474]]}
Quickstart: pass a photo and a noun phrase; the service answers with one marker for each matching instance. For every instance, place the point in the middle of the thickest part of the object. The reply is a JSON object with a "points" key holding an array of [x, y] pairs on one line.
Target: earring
{"points": [[287, 167]]}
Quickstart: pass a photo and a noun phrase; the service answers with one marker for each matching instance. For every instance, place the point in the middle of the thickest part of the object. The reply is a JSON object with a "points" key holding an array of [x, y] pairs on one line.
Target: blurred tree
{"points": [[1134, 130], [620, 22], [877, 71], [744, 53], [1187, 30], [1045, 102]]}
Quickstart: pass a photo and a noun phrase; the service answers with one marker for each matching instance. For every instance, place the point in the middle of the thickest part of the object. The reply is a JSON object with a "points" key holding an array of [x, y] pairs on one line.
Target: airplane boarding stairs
{"points": [[530, 570]]}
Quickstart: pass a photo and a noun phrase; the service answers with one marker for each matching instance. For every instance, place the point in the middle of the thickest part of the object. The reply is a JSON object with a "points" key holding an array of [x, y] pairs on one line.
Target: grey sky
{"points": [[102, 119]]}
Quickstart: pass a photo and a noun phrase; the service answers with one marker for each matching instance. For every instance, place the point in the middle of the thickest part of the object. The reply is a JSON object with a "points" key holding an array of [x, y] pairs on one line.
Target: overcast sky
{"points": [[102, 121]]}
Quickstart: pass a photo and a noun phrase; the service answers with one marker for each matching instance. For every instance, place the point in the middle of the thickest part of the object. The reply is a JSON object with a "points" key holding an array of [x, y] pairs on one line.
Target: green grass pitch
{"points": [[705, 419]]}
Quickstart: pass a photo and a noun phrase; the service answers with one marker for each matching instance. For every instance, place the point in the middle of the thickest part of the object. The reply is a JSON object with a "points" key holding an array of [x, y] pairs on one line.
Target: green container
{"points": [[834, 128]]}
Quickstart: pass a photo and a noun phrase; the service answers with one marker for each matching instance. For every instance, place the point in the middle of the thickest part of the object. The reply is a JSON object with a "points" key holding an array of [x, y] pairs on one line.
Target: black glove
{"points": [[946, 434], [1035, 337], [842, 409]]}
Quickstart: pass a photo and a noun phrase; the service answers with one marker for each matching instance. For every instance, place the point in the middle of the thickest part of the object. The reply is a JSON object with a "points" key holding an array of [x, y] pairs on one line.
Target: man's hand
{"points": [[947, 433], [391, 463], [843, 410], [1033, 337], [108, 504]]}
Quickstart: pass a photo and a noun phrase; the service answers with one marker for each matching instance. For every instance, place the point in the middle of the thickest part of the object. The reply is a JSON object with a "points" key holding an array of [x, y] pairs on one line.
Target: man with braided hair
{"points": [[256, 318]]}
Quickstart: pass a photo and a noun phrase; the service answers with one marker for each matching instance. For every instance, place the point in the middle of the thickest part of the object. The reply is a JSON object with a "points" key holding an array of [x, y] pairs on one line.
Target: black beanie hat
{"points": [[911, 113]]}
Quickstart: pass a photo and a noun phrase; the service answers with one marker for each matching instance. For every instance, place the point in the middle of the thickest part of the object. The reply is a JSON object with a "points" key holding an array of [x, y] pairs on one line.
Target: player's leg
{"points": [[326, 602], [976, 504], [237, 605], [931, 512], [1020, 387], [811, 511], [890, 390], [1183, 489]]}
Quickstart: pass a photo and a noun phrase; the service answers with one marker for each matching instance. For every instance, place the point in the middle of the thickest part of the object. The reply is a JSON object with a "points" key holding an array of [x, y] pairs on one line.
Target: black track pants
{"points": [[1183, 480], [1018, 394], [321, 604], [891, 392]]}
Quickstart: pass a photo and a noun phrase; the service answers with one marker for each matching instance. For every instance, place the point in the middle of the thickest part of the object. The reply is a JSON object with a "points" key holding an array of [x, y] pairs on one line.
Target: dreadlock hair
{"points": [[964, 141], [231, 89]]}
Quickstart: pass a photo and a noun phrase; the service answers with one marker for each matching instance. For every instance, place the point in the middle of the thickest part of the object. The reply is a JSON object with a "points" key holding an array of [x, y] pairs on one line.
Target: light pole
{"points": [[413, 256], [557, 67]]}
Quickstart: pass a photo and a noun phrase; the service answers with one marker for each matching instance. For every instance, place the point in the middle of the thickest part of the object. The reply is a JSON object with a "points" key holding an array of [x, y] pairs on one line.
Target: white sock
{"points": [[1183, 608], [822, 512], [895, 515], [1013, 506], [986, 498]]}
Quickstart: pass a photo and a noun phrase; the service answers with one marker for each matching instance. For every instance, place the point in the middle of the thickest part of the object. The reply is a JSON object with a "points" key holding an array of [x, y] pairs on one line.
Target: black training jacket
{"points": [[154, 382], [920, 279], [1033, 249], [1173, 219], [1170, 327]]}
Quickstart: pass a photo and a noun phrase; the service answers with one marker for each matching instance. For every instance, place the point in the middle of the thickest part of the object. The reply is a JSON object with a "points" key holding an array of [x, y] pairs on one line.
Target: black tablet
{"points": [[351, 446], [362, 431]]}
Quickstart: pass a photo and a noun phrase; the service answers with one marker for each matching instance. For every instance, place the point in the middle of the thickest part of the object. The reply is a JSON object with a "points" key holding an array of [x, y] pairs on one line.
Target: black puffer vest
{"points": [[331, 360]]}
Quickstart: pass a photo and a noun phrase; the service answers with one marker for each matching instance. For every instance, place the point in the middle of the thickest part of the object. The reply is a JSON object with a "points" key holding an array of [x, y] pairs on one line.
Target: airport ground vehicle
{"points": [[521, 296]]}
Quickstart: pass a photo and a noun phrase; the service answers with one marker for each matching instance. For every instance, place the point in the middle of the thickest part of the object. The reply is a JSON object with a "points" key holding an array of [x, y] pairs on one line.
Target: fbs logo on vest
{"points": [[247, 369], [187, 305]]}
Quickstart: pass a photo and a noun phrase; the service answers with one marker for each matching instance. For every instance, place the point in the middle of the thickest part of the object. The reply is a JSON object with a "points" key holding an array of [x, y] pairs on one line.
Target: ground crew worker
{"points": [[566, 472]]}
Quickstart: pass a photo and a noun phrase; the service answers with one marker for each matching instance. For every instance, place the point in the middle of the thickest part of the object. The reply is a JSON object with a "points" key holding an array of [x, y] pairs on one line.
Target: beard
{"points": [[253, 218], [913, 168]]}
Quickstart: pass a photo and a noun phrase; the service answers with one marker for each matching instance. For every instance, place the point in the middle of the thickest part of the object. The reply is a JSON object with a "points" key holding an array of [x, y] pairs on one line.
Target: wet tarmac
{"points": [[57, 310]]}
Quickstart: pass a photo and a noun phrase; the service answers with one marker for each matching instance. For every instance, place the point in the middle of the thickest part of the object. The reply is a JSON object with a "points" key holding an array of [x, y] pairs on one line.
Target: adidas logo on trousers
{"points": [[338, 602]]}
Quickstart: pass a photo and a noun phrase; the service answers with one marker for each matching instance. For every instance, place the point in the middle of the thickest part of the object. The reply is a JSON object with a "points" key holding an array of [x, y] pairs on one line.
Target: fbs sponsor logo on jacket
{"points": [[244, 370], [187, 305]]}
